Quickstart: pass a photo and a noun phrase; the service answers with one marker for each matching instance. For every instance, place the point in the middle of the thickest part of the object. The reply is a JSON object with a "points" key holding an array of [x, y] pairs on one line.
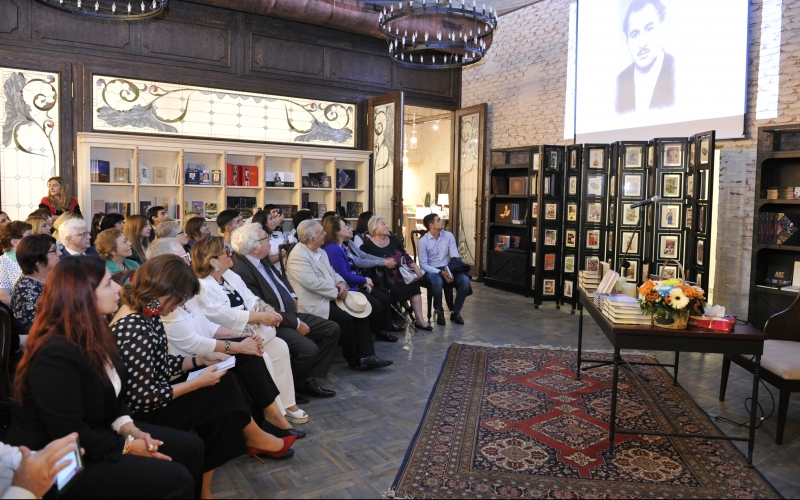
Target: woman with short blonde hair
{"points": [[115, 249]]}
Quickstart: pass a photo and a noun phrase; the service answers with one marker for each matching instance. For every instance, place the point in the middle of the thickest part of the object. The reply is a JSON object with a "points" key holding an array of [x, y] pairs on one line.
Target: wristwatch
{"points": [[227, 347]]}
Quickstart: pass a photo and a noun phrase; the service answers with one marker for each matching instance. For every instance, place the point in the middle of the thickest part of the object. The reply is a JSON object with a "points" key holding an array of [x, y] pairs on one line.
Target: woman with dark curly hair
{"points": [[37, 255]]}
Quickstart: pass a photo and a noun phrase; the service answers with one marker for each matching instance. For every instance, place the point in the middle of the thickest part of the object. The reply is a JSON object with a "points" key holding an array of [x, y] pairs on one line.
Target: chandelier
{"points": [[121, 10], [436, 34]]}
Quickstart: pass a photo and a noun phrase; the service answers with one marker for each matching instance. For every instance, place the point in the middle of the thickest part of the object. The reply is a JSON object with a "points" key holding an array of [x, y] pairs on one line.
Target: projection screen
{"points": [[660, 68]]}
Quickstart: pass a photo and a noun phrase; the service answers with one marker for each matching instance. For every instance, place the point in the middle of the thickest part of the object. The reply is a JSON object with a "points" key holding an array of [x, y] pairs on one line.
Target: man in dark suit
{"points": [[649, 82], [312, 340], [76, 238]]}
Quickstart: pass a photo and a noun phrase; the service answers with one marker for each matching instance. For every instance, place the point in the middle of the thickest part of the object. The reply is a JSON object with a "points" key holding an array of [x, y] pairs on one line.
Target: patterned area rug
{"points": [[515, 422]]}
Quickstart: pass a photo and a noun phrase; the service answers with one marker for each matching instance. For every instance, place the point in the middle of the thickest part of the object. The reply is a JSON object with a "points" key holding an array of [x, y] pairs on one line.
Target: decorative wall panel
{"points": [[127, 105], [275, 54], [469, 130], [29, 103], [383, 155]]}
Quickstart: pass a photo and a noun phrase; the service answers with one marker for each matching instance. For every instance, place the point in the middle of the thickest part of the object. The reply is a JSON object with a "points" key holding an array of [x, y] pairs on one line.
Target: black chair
{"points": [[448, 296], [780, 363], [5, 350]]}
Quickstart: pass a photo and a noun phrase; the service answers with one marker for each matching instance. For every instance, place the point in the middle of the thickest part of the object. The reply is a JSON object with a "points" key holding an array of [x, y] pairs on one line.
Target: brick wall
{"points": [[523, 79]]}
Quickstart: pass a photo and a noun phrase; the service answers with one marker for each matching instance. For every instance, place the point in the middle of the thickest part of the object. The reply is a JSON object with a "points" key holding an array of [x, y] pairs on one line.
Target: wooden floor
{"points": [[357, 440]]}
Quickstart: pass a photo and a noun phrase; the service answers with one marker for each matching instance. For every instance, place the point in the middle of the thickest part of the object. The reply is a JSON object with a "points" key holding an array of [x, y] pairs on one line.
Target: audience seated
{"points": [[227, 301], [214, 403], [311, 340], [361, 233], [196, 229], [25, 474], [115, 249], [37, 255], [268, 223], [439, 258], [10, 236], [155, 216], [189, 333], [227, 221], [97, 219], [336, 233], [75, 238], [39, 224], [280, 216], [382, 244], [138, 230], [62, 219], [116, 221], [297, 218], [318, 287], [71, 380], [4, 218], [173, 229]]}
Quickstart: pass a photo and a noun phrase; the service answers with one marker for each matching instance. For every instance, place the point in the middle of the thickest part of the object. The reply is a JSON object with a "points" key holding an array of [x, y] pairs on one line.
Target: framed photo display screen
{"points": [[671, 185], [673, 155], [593, 239], [572, 212], [570, 238], [572, 184], [569, 263], [633, 157], [630, 216], [670, 216], [594, 213], [632, 185], [551, 211], [632, 273], [629, 243], [595, 185], [669, 246], [597, 158]]}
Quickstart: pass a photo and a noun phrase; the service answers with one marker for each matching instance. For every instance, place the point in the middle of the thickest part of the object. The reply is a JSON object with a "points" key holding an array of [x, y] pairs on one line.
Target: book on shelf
{"points": [[279, 179], [121, 175], [250, 175], [354, 208], [499, 185], [204, 176], [502, 242], [159, 175], [506, 212], [518, 186], [199, 207], [778, 276], [323, 207], [314, 179], [100, 170], [216, 177], [123, 209], [144, 206], [145, 174], [211, 210], [192, 176], [345, 178], [325, 182], [231, 176], [314, 207], [778, 228], [783, 193], [304, 201], [98, 206]]}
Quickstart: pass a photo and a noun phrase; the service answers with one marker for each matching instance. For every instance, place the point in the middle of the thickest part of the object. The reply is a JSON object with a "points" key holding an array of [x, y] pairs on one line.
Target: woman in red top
{"points": [[58, 199]]}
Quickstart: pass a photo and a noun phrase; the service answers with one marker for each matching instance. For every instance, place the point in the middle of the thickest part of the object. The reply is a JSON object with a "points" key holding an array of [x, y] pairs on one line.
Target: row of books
{"points": [[777, 228], [279, 179], [197, 174], [783, 193], [127, 209], [242, 175], [317, 180], [519, 186], [503, 242]]}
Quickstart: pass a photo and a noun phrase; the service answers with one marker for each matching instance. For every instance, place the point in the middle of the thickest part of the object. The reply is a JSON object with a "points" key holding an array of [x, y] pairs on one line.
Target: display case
{"points": [[571, 210], [595, 213], [699, 187], [630, 184], [546, 254], [776, 239]]}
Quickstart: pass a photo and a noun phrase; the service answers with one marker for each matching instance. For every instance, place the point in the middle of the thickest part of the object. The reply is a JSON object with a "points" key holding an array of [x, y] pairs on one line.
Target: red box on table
{"points": [[724, 324]]}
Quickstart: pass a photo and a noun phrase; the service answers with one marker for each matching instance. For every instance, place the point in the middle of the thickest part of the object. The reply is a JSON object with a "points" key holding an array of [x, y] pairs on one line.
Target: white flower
{"points": [[677, 299]]}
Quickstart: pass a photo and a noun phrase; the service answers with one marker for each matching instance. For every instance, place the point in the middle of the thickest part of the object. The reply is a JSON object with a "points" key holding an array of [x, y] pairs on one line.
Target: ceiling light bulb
{"points": [[436, 123]]}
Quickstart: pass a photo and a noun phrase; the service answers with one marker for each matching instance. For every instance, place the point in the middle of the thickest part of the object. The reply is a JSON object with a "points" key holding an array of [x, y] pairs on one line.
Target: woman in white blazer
{"points": [[227, 301]]}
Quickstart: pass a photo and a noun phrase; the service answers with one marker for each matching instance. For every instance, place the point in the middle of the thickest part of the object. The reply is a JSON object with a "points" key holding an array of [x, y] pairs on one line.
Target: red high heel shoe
{"points": [[281, 454]]}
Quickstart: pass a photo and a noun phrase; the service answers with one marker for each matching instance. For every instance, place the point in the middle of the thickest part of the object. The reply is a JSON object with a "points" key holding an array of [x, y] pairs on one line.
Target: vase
{"points": [[678, 321]]}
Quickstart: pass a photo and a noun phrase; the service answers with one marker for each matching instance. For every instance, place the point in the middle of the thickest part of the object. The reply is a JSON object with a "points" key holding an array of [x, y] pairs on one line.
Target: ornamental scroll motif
{"points": [[469, 129], [160, 108]]}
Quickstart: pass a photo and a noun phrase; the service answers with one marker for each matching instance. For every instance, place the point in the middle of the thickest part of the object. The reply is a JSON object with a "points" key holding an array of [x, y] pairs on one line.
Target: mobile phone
{"points": [[68, 473]]}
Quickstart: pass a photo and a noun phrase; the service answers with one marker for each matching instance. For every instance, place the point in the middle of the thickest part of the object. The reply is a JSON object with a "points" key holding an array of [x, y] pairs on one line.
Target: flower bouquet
{"points": [[670, 301]]}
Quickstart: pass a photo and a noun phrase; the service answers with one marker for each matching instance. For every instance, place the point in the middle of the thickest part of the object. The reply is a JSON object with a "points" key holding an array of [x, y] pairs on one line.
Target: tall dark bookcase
{"points": [[509, 243], [546, 256], [570, 242], [699, 202], [777, 166], [594, 209]]}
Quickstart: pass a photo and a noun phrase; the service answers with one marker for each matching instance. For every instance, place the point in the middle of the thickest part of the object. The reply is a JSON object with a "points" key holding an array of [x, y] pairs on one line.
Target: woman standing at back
{"points": [[58, 199]]}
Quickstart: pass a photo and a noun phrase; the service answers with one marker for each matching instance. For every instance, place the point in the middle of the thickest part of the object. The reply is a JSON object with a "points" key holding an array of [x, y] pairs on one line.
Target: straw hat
{"points": [[355, 304]]}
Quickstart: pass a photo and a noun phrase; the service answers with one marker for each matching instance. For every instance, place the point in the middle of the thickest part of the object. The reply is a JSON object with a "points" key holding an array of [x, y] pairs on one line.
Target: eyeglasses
{"points": [[187, 257], [83, 234], [262, 239], [227, 252], [55, 251]]}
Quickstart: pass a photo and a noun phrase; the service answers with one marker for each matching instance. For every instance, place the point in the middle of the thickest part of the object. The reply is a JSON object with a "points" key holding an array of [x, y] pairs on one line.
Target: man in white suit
{"points": [[318, 286]]}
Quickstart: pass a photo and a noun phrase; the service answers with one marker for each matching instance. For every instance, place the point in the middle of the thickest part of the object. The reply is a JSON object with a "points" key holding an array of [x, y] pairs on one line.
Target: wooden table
{"points": [[744, 340]]}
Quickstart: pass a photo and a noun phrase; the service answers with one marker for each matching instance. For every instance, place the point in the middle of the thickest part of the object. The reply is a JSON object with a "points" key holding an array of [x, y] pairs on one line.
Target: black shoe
{"points": [[456, 318], [428, 328], [440, 318], [385, 336], [396, 328], [281, 433], [313, 389], [371, 362], [300, 399]]}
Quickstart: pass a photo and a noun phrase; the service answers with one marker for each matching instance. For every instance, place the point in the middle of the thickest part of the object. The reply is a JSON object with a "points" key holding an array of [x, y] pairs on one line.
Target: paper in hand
{"points": [[221, 366]]}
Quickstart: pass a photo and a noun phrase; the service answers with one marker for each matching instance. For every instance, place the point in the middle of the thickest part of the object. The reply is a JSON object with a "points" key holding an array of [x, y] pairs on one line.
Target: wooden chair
{"points": [[415, 237], [283, 258], [780, 363], [5, 350]]}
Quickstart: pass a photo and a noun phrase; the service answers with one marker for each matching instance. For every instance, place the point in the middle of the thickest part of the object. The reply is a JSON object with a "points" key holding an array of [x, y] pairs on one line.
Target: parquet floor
{"points": [[357, 440]]}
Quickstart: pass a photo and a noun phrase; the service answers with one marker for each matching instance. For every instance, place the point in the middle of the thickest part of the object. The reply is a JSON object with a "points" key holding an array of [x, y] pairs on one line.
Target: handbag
{"points": [[408, 274]]}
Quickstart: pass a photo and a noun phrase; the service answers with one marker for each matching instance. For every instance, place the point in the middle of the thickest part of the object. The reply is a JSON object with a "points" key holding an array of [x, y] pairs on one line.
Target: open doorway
{"points": [[428, 136]]}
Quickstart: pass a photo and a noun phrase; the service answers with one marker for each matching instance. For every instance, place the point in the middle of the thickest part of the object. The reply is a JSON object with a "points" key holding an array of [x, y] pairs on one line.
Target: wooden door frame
{"points": [[397, 181], [455, 181]]}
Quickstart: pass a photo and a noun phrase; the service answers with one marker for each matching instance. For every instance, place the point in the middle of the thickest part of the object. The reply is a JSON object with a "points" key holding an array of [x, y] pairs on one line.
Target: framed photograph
{"points": [[550, 237], [632, 185], [517, 186], [553, 160], [629, 243], [610, 241], [704, 152], [572, 212], [569, 263], [549, 262], [673, 155], [550, 211], [630, 216], [571, 237], [594, 212], [596, 158], [701, 219], [567, 288], [691, 154], [699, 279], [671, 186], [633, 157], [593, 239], [668, 272], [534, 232], [651, 155], [595, 184], [593, 264], [688, 217], [573, 159], [689, 185], [700, 253], [631, 273], [670, 216], [549, 287], [572, 185], [669, 246]]}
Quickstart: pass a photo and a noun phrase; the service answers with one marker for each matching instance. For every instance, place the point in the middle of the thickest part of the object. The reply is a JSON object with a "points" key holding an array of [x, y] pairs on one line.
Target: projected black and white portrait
{"points": [[649, 81]]}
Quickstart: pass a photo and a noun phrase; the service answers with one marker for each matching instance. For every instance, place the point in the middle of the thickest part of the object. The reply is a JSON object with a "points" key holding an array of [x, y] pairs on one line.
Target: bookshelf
{"points": [[547, 255], [571, 225], [169, 157]]}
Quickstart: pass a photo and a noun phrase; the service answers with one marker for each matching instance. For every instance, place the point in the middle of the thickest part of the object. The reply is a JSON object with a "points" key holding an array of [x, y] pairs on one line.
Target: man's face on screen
{"points": [[644, 36]]}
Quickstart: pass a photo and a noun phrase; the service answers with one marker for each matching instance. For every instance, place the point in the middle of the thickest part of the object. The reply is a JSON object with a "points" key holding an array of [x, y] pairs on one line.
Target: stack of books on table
{"points": [[623, 310], [588, 281]]}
